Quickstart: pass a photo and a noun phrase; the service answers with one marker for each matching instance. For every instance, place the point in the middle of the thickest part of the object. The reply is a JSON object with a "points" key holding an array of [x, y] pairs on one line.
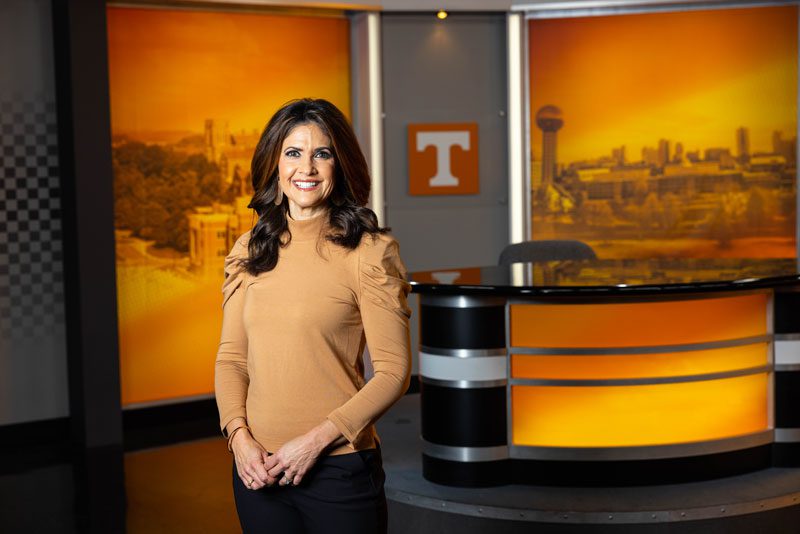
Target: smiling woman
{"points": [[314, 282]]}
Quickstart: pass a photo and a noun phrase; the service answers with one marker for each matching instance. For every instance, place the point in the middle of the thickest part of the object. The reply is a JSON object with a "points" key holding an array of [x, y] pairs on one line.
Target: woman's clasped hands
{"points": [[252, 461], [258, 468]]}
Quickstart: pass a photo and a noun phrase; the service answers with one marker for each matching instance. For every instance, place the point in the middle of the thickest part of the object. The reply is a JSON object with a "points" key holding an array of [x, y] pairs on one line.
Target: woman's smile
{"points": [[305, 185]]}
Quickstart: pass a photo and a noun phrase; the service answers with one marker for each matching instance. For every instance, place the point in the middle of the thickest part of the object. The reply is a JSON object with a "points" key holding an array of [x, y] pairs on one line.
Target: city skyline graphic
{"points": [[666, 134]]}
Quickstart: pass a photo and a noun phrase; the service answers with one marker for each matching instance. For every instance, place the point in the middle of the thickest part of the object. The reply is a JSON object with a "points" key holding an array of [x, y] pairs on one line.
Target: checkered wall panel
{"points": [[31, 271]]}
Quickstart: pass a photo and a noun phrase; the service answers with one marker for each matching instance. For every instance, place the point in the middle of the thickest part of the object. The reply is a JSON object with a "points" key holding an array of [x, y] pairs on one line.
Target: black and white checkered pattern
{"points": [[31, 270]]}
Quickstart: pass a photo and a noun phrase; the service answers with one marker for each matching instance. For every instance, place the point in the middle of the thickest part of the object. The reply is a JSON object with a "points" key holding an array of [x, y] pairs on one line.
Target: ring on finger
{"points": [[250, 482]]}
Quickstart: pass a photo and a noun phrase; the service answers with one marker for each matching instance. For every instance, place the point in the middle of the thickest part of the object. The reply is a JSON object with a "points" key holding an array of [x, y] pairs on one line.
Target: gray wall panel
{"points": [[446, 71], [33, 366]]}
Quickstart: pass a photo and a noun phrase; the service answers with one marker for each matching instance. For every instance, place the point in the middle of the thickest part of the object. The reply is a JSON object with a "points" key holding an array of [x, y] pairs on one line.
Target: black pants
{"points": [[341, 494]]}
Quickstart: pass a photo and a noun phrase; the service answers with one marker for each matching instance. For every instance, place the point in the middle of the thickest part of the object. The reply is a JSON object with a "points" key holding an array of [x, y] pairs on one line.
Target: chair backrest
{"points": [[546, 250]]}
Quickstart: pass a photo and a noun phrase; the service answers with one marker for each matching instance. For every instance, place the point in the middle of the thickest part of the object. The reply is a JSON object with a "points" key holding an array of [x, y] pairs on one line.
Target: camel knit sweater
{"points": [[292, 338]]}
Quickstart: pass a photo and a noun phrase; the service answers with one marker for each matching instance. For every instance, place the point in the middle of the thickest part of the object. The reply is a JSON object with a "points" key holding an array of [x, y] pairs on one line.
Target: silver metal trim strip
{"points": [[463, 384], [463, 353], [460, 301], [642, 452], [509, 415], [787, 435], [689, 347], [640, 381], [465, 454], [787, 352], [470, 369], [781, 367], [376, 122], [770, 320], [787, 337], [578, 8], [600, 4], [517, 186], [599, 298]]}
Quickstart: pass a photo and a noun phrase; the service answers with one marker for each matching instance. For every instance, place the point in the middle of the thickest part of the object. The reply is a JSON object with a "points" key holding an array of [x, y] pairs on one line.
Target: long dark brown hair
{"points": [[349, 218]]}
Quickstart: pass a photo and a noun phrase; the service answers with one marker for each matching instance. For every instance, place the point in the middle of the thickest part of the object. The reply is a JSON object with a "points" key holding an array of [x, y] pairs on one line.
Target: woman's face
{"points": [[306, 170]]}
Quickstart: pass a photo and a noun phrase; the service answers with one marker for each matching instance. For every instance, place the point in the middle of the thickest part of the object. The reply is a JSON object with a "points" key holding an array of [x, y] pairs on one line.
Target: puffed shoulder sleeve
{"points": [[383, 277], [234, 272], [383, 292], [231, 378]]}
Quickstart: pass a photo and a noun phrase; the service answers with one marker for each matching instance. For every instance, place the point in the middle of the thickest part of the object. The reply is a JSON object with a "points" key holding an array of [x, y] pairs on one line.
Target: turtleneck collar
{"points": [[307, 229]]}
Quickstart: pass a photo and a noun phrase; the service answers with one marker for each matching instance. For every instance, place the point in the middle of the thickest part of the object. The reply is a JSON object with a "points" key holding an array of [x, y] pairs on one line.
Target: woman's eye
{"points": [[324, 154], [293, 153]]}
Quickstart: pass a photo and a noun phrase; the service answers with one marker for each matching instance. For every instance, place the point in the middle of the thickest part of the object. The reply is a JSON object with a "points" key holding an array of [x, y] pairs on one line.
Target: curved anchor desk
{"points": [[609, 371]]}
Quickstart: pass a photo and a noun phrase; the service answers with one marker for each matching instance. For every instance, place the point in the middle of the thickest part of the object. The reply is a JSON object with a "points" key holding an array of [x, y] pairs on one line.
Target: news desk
{"points": [[608, 371]]}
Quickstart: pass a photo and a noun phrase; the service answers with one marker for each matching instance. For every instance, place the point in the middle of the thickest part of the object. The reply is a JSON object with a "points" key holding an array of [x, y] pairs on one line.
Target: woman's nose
{"points": [[307, 166]]}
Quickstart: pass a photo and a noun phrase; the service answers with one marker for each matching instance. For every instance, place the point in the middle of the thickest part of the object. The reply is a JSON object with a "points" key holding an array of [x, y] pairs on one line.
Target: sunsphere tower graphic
{"points": [[549, 120]]}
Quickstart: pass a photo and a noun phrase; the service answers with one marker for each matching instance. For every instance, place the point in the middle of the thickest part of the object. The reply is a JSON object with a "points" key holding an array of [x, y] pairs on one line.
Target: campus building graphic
{"points": [[212, 226]]}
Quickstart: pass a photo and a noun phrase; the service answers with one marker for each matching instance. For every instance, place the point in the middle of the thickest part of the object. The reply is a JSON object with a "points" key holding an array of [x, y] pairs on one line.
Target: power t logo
{"points": [[443, 159]]}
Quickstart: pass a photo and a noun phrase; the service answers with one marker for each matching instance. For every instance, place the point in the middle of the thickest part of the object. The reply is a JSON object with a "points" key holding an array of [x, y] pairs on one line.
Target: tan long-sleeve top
{"points": [[292, 338]]}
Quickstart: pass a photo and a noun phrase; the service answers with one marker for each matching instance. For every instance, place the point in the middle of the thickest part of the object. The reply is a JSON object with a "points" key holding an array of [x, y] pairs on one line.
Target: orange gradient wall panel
{"points": [[599, 367], [638, 324], [626, 416]]}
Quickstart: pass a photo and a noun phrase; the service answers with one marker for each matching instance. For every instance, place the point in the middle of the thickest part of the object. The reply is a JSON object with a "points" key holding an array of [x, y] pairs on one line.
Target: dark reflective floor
{"points": [[175, 489], [186, 488]]}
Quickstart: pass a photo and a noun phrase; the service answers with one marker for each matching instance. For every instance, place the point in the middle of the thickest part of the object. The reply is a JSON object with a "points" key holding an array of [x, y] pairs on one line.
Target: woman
{"points": [[314, 280]]}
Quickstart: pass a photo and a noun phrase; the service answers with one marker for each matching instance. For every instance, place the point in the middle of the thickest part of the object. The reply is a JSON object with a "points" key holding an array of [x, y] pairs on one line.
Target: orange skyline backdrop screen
{"points": [[691, 77], [170, 69], [197, 87]]}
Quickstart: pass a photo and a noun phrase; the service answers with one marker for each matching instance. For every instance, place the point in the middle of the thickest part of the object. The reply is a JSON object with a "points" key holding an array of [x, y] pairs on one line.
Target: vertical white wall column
{"points": [[375, 115], [518, 217], [367, 100]]}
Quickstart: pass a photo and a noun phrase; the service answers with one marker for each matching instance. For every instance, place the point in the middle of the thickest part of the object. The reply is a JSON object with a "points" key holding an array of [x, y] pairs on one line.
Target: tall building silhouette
{"points": [[216, 138], [678, 156], [777, 142], [549, 120], [618, 155], [663, 152], [743, 144]]}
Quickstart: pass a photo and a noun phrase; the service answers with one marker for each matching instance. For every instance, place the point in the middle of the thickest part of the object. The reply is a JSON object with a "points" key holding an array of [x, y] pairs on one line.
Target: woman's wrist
{"points": [[237, 434], [325, 435]]}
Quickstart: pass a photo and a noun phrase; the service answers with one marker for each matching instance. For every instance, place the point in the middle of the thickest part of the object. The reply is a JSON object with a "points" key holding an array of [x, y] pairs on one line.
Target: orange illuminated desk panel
{"points": [[603, 372]]}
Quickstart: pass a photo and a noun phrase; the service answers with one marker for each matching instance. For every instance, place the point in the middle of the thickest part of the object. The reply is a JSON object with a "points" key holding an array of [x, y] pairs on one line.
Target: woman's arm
{"points": [[231, 378], [383, 291]]}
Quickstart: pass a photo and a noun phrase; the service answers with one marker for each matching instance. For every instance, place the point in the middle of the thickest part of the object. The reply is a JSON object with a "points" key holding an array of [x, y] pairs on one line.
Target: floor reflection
{"points": [[184, 488], [181, 488]]}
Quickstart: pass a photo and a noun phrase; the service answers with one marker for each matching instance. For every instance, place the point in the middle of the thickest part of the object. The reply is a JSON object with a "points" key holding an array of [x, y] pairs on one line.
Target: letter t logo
{"points": [[442, 141], [443, 159]]}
